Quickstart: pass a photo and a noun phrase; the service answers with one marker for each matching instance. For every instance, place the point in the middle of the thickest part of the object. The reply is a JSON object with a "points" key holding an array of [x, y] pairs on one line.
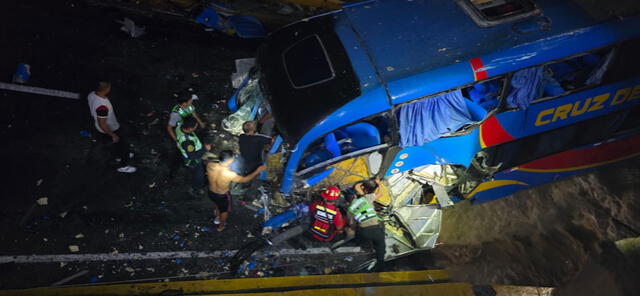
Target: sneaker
{"points": [[127, 169]]}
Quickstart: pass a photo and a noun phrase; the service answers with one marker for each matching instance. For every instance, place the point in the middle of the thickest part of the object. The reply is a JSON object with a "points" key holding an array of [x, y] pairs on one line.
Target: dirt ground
{"points": [[560, 234]]}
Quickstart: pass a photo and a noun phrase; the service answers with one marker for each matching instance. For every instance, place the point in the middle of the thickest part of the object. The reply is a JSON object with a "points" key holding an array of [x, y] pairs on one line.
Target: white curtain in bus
{"points": [[428, 119]]}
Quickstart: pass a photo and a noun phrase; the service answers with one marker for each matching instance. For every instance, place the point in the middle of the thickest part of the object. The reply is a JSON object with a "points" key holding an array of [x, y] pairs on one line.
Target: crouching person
{"points": [[362, 215], [327, 222]]}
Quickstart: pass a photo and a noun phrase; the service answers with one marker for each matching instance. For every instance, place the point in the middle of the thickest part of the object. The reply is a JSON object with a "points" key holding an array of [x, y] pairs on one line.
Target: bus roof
{"points": [[404, 38]]}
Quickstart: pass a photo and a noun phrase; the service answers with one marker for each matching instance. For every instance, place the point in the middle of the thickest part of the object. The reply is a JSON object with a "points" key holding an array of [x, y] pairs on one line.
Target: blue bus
{"points": [[457, 99]]}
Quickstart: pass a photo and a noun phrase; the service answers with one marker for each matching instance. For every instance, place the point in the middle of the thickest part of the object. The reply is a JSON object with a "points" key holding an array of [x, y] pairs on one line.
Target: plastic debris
{"points": [[140, 247], [194, 75], [39, 182], [85, 134], [93, 279], [152, 185], [63, 214], [178, 260], [23, 72], [43, 201], [79, 235], [129, 27], [205, 228], [45, 239], [74, 248]]}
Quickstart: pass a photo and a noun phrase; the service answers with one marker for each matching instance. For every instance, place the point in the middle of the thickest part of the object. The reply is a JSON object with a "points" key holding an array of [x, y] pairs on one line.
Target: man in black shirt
{"points": [[252, 147]]}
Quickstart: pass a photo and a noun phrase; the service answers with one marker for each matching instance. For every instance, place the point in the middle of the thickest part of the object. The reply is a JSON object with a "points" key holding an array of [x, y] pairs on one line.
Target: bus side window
{"points": [[354, 137], [559, 78], [485, 94]]}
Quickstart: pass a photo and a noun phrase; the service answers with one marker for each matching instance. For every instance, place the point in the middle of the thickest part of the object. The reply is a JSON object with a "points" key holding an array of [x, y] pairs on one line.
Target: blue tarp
{"points": [[524, 84], [428, 119]]}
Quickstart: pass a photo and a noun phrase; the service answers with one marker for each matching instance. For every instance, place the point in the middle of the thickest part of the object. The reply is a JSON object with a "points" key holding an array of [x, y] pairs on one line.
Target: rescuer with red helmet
{"points": [[326, 217]]}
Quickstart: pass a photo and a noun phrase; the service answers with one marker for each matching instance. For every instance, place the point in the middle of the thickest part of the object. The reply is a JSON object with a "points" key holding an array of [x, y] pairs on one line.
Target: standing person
{"points": [[192, 151], [362, 215], [327, 219], [220, 176], [107, 124], [183, 109], [252, 147]]}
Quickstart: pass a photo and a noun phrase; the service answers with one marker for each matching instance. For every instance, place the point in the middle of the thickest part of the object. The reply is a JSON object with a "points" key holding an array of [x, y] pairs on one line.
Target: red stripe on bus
{"points": [[478, 66]]}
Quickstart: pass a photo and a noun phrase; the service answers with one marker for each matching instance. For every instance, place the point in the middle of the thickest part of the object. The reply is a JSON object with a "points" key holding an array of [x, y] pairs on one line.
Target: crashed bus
{"points": [[445, 101]]}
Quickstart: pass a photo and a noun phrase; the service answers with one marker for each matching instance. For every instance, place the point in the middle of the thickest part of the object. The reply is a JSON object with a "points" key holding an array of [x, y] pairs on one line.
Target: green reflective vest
{"points": [[183, 112], [362, 209], [182, 137]]}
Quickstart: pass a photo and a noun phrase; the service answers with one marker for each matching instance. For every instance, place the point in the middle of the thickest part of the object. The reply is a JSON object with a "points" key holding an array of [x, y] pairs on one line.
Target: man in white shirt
{"points": [[107, 124]]}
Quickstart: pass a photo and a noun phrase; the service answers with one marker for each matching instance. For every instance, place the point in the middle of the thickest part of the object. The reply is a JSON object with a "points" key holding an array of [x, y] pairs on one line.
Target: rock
{"points": [[74, 248], [43, 201]]}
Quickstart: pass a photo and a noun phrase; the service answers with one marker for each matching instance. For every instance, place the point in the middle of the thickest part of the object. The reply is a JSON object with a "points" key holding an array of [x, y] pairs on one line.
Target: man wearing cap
{"points": [[362, 215], [180, 111], [327, 219]]}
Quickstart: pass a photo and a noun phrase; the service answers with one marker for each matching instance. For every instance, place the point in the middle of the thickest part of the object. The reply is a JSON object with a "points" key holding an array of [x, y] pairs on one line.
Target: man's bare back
{"points": [[220, 177]]}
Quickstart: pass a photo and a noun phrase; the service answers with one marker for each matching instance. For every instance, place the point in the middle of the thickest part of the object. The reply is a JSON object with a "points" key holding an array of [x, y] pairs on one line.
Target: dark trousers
{"points": [[197, 175], [118, 150], [375, 234]]}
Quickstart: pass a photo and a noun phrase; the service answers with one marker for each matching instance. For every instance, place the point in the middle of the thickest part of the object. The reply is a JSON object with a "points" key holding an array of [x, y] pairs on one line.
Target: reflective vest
{"points": [[183, 112], [362, 210], [182, 137], [323, 224]]}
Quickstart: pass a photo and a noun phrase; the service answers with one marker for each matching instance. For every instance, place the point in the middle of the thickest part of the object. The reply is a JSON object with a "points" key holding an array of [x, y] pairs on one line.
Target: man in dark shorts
{"points": [[220, 176]]}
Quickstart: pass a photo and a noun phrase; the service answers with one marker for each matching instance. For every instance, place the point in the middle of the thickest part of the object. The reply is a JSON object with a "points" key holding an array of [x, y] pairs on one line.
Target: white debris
{"points": [[130, 28], [63, 214], [43, 201], [62, 264], [79, 235], [150, 269], [45, 239], [129, 269], [152, 185], [39, 182], [121, 235], [140, 247], [74, 248]]}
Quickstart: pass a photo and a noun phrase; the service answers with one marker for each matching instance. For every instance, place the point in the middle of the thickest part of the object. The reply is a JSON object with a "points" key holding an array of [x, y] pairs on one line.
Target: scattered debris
{"points": [[152, 185], [129, 204], [62, 264], [45, 239], [23, 72], [129, 269], [39, 182], [63, 214], [121, 235], [43, 201], [348, 258], [84, 133], [150, 269], [140, 247], [74, 248], [130, 28], [79, 235]]}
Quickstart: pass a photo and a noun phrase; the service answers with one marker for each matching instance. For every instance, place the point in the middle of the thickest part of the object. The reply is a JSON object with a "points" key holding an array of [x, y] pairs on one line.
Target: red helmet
{"points": [[331, 193]]}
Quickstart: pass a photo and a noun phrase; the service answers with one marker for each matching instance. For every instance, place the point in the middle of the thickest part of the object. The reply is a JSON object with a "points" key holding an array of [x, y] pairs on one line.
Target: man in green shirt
{"points": [[192, 151], [362, 215]]}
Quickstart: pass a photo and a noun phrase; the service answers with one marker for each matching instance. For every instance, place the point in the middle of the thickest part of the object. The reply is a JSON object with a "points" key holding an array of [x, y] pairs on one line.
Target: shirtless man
{"points": [[220, 176]]}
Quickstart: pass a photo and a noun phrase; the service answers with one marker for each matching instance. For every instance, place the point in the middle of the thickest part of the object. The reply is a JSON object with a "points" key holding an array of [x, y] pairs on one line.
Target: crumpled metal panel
{"points": [[422, 222]]}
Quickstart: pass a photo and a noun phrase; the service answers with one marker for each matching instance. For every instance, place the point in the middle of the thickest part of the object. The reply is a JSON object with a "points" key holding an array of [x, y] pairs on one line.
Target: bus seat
{"points": [[330, 150], [362, 135], [476, 111], [484, 94], [331, 144]]}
